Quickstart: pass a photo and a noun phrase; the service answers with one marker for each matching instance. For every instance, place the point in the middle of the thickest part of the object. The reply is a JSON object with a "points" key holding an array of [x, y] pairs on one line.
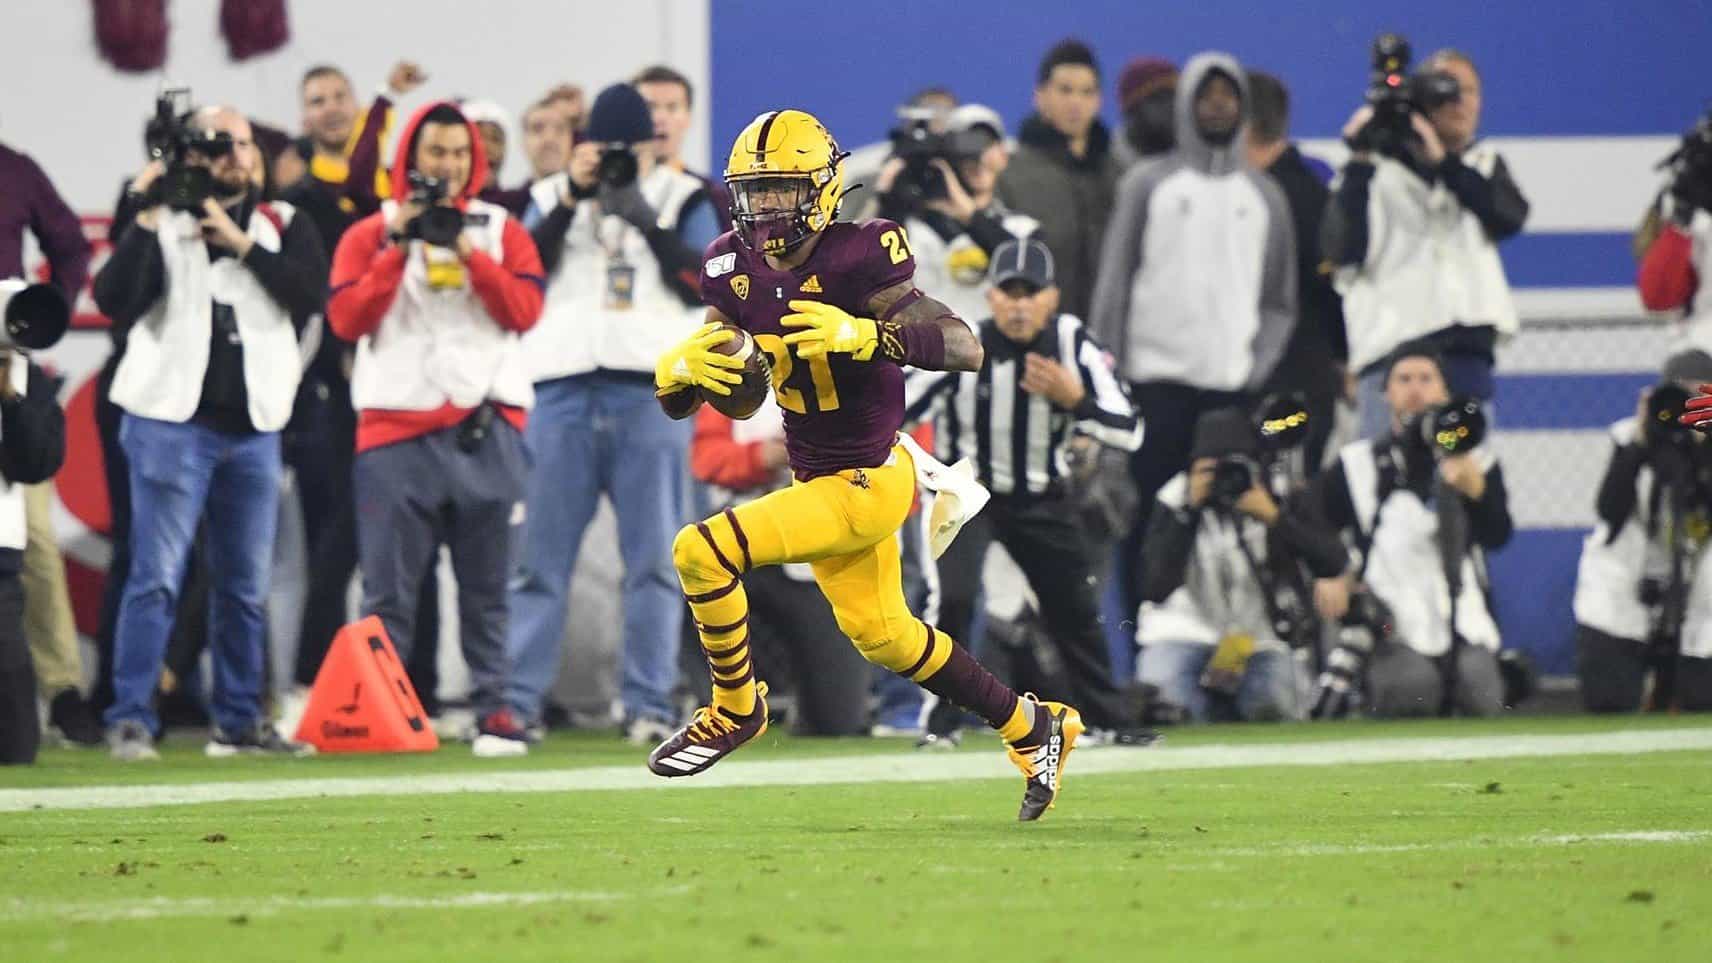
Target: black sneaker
{"points": [[74, 719], [260, 739]]}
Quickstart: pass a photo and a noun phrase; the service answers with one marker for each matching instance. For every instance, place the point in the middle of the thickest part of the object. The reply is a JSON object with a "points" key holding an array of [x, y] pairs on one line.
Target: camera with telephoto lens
{"points": [[1665, 404], [1280, 425], [173, 140], [617, 167], [35, 316], [437, 224], [1395, 94], [915, 142], [1457, 426], [1365, 625], [1690, 167]]}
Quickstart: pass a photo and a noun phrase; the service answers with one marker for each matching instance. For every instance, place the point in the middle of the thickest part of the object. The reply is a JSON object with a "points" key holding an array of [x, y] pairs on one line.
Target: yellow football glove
{"points": [[694, 363], [829, 329]]}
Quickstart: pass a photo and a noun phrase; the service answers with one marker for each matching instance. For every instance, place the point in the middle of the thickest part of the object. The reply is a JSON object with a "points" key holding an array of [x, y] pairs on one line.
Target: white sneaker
{"points": [[131, 742], [292, 706], [643, 731], [486, 746], [498, 736]]}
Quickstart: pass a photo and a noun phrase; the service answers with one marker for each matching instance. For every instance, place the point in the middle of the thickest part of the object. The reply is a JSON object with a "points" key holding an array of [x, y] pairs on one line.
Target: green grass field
{"points": [[1594, 842]]}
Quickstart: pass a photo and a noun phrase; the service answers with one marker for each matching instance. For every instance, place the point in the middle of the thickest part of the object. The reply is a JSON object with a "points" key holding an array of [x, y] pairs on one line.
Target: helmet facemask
{"points": [[775, 213]]}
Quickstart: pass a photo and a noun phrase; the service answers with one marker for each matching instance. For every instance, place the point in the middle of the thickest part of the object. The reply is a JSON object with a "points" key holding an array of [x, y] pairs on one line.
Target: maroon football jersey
{"points": [[839, 412]]}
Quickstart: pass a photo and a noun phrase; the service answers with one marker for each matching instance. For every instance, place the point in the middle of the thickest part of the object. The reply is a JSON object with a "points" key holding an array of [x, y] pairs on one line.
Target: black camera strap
{"points": [[1263, 576]]}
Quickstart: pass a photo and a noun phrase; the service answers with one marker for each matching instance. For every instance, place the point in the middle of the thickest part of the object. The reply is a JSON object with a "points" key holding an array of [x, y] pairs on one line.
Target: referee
{"points": [[1045, 381]]}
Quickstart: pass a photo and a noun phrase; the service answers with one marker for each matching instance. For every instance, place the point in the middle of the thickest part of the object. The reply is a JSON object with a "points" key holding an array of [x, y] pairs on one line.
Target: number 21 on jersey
{"points": [[784, 363]]}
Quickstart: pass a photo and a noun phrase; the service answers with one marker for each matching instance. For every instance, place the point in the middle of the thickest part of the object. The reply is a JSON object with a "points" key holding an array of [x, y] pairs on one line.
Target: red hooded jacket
{"points": [[368, 270]]}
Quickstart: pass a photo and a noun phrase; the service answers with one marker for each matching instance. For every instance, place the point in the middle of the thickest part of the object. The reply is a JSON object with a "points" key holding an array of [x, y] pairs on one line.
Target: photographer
{"points": [[29, 202], [32, 447], [1224, 602], [1641, 595], [1413, 225], [1422, 510], [622, 243], [435, 288], [1045, 383], [939, 186], [209, 288], [1679, 256]]}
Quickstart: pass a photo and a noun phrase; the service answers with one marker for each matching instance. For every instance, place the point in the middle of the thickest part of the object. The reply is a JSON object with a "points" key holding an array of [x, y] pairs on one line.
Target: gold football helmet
{"points": [[786, 178]]}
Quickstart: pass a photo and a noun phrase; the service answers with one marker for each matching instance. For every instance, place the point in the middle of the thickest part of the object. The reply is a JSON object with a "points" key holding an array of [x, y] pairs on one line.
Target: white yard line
{"points": [[18, 910], [891, 767], [159, 907]]}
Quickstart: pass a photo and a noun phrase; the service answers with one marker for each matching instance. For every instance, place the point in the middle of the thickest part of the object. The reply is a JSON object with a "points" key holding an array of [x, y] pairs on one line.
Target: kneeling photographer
{"points": [[1225, 599], [940, 186], [209, 287], [32, 447], [1677, 236], [1643, 603], [1413, 224], [435, 289], [1422, 506]]}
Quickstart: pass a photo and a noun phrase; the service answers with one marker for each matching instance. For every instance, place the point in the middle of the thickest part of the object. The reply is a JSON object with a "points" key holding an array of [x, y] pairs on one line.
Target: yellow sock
{"points": [[1021, 722]]}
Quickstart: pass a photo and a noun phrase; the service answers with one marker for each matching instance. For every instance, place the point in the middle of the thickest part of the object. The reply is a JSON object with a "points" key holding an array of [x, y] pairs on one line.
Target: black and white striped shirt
{"points": [[1017, 440]]}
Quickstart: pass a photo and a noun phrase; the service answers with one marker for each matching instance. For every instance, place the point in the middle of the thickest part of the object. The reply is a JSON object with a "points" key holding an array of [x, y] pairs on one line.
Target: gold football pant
{"points": [[846, 527]]}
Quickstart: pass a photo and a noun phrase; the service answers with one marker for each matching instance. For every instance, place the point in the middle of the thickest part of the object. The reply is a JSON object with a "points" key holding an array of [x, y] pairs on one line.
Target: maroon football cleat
{"points": [[710, 737]]}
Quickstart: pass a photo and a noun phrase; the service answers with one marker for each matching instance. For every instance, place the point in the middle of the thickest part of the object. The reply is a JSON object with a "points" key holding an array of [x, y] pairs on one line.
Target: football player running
{"points": [[835, 308]]}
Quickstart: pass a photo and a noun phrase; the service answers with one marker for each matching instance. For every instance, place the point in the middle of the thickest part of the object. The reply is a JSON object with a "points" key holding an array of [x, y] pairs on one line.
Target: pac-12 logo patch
{"points": [[722, 265], [740, 286]]}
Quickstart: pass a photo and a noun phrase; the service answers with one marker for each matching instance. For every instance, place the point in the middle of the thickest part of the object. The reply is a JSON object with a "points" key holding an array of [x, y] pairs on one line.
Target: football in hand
{"points": [[757, 371]]}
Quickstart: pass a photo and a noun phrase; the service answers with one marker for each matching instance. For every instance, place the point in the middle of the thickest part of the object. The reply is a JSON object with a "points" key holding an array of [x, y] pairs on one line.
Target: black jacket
{"points": [[1070, 196], [1317, 346], [32, 441]]}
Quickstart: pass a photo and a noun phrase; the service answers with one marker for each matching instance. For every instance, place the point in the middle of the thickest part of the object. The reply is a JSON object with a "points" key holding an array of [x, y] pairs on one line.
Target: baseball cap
{"points": [[1022, 260], [975, 117]]}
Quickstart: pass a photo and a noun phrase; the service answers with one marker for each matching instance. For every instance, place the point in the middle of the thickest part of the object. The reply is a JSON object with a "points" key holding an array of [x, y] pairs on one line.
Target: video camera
{"points": [[173, 140], [35, 315], [1280, 425], [1690, 166], [915, 142], [1395, 94], [437, 224]]}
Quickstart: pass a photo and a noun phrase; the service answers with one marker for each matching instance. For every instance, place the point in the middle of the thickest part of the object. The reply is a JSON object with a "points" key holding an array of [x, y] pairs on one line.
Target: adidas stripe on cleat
{"points": [[1043, 765], [709, 737]]}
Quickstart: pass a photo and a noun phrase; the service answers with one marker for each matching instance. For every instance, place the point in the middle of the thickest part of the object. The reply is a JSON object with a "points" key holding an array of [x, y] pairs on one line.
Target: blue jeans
{"points": [[587, 435], [178, 473], [1268, 691]]}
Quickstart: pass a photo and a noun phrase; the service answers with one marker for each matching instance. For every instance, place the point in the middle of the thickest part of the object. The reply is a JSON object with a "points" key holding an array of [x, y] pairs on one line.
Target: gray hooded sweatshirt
{"points": [[1197, 279]]}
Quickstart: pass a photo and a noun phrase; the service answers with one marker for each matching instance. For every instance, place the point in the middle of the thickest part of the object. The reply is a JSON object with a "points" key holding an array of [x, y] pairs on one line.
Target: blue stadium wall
{"points": [[1580, 94]]}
